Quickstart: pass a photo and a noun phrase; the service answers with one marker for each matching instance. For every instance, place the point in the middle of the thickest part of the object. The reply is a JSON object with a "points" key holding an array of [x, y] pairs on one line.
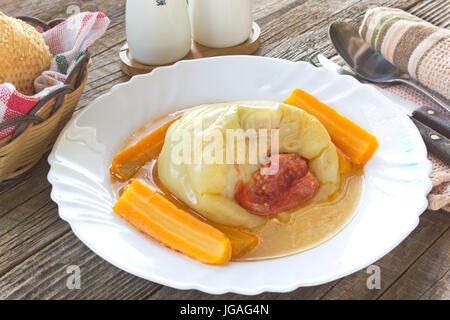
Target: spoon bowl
{"points": [[366, 62], [359, 56]]}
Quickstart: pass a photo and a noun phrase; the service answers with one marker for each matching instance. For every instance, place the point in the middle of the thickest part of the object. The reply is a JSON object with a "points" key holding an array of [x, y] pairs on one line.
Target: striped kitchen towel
{"points": [[421, 50], [415, 46]]}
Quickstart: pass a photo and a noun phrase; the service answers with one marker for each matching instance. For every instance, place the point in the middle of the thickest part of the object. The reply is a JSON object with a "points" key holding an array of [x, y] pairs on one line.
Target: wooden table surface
{"points": [[36, 246]]}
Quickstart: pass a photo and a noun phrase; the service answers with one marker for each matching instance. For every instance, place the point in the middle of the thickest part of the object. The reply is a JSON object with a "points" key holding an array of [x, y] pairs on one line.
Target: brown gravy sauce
{"points": [[298, 230]]}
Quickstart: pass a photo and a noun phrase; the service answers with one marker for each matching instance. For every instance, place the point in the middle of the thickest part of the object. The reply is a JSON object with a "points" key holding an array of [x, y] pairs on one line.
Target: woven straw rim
{"points": [[37, 130]]}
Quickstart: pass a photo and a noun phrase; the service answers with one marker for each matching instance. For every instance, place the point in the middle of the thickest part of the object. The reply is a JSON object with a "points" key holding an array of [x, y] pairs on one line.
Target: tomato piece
{"points": [[290, 186]]}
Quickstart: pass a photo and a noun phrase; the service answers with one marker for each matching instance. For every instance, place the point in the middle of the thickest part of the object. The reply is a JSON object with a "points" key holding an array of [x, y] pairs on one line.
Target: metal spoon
{"points": [[367, 63]]}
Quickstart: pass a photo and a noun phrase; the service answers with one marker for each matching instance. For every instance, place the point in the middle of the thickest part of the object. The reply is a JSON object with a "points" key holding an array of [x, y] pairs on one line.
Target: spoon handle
{"points": [[425, 91]]}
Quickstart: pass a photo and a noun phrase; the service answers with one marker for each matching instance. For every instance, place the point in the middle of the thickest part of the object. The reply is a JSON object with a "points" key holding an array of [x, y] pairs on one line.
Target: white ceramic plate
{"points": [[395, 188]]}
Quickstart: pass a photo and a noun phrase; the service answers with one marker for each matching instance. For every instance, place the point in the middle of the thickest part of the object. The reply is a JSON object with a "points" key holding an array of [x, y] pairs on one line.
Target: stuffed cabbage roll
{"points": [[237, 162]]}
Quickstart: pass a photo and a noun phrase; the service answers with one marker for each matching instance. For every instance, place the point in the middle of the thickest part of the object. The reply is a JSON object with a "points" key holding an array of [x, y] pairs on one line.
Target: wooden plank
{"points": [[38, 272], [394, 264], [436, 12], [49, 10], [316, 40], [263, 8], [295, 45], [431, 268], [41, 228], [25, 190], [440, 290], [44, 275], [22, 213]]}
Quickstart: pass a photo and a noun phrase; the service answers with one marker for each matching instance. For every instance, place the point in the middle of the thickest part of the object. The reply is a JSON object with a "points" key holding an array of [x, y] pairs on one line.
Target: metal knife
{"points": [[433, 126]]}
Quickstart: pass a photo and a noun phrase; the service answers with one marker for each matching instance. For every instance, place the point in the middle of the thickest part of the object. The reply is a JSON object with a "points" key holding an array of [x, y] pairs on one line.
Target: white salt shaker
{"points": [[158, 31], [220, 23]]}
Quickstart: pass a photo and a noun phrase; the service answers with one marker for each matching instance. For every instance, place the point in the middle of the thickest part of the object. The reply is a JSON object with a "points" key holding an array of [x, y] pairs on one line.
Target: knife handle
{"points": [[433, 119], [436, 143]]}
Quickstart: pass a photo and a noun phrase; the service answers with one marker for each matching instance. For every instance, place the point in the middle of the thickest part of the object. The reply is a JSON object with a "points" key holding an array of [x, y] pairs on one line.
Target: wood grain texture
{"points": [[36, 246], [419, 279]]}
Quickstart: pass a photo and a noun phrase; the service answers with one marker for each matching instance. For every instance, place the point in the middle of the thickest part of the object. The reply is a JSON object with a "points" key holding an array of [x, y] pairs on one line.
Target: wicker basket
{"points": [[37, 131]]}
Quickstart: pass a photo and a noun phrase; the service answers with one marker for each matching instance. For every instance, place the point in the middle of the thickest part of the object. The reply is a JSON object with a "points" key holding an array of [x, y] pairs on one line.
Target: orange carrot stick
{"points": [[127, 162], [241, 242], [345, 165], [152, 214], [358, 144]]}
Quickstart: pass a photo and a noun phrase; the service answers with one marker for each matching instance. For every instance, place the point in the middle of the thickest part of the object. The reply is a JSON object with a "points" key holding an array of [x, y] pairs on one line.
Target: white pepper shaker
{"points": [[158, 31], [220, 23]]}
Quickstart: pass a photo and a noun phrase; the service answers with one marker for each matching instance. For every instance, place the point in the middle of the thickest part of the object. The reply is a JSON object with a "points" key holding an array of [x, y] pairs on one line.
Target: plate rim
{"points": [[215, 290]]}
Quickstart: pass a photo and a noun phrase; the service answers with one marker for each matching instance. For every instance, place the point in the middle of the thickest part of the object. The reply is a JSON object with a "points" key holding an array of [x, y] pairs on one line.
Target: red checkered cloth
{"points": [[67, 42]]}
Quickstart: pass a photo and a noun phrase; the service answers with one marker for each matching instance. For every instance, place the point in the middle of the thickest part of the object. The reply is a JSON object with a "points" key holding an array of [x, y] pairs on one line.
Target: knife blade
{"points": [[434, 127]]}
